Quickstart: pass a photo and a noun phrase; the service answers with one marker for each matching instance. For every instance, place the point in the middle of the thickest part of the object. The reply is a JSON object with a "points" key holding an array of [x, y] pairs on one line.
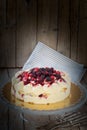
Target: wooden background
{"points": [[60, 24]]}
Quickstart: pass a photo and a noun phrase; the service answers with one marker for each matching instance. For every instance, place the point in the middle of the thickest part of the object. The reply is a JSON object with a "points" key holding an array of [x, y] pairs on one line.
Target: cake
{"points": [[41, 85]]}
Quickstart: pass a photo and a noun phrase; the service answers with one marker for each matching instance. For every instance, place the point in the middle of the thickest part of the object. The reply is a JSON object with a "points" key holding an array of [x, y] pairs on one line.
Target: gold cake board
{"points": [[73, 98]]}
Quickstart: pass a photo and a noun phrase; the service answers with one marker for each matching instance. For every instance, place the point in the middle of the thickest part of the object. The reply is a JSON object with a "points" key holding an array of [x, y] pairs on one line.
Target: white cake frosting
{"points": [[41, 85]]}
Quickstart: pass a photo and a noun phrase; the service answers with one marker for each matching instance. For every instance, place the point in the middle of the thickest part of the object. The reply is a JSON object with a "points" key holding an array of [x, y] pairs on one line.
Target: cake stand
{"points": [[39, 115]]}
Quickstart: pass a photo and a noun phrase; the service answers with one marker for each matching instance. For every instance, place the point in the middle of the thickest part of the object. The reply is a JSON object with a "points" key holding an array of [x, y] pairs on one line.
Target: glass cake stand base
{"points": [[35, 115], [76, 98]]}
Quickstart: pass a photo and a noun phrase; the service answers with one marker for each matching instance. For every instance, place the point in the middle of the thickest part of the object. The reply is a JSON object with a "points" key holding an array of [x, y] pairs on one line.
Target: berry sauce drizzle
{"points": [[41, 76]]}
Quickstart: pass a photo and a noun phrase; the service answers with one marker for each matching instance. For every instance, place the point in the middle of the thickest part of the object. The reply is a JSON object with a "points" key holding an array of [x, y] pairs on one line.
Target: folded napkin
{"points": [[44, 56]]}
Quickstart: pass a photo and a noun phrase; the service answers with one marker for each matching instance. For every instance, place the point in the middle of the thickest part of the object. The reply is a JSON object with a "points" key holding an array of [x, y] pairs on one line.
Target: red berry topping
{"points": [[22, 95], [41, 76], [43, 95]]}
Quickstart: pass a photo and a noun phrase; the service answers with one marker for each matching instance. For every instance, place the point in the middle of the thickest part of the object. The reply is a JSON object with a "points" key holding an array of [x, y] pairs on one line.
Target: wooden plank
{"points": [[15, 121], [64, 28], [6, 75], [69, 128], [75, 128], [82, 46], [3, 116], [11, 13], [47, 22], [3, 107], [7, 47], [3, 77], [14, 118], [83, 9], [83, 128], [26, 30], [74, 16], [9, 118], [35, 122], [7, 34], [11, 72], [2, 12]]}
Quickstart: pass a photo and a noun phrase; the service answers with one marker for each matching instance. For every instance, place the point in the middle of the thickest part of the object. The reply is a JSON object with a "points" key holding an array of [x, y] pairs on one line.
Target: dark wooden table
{"points": [[12, 119]]}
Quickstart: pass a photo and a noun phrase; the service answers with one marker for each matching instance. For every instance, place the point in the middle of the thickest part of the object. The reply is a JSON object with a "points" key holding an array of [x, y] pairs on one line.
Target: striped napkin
{"points": [[44, 56]]}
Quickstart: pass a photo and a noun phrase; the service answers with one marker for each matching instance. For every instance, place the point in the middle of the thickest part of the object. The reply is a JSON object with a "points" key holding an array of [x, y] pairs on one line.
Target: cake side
{"points": [[41, 85]]}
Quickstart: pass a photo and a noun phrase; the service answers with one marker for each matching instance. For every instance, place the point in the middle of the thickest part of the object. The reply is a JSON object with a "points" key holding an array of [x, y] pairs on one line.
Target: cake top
{"points": [[41, 76]]}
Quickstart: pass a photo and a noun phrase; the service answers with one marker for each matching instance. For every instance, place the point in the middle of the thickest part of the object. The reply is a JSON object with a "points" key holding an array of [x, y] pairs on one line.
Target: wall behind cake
{"points": [[60, 24]]}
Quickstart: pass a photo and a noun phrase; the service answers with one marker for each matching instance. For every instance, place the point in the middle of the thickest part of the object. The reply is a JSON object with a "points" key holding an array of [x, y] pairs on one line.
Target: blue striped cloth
{"points": [[44, 56]]}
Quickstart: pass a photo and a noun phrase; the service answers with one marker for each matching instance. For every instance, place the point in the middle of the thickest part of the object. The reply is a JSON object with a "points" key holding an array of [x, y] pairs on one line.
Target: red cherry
{"points": [[40, 76], [60, 80], [36, 69], [52, 77], [22, 95], [25, 74], [58, 72]]}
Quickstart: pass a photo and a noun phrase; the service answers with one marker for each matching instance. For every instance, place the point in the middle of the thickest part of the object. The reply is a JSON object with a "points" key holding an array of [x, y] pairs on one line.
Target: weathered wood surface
{"points": [[60, 24], [25, 30], [74, 20], [47, 22], [64, 29], [12, 119], [7, 33]]}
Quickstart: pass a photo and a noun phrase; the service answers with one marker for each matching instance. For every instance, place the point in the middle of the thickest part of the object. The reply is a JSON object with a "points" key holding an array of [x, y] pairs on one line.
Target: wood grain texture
{"points": [[3, 117], [7, 47], [35, 122], [3, 108], [26, 30], [15, 121], [83, 128], [2, 12], [82, 48], [74, 23], [11, 13], [47, 22], [8, 118], [70, 128], [7, 33], [64, 28], [83, 9], [60, 24]]}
